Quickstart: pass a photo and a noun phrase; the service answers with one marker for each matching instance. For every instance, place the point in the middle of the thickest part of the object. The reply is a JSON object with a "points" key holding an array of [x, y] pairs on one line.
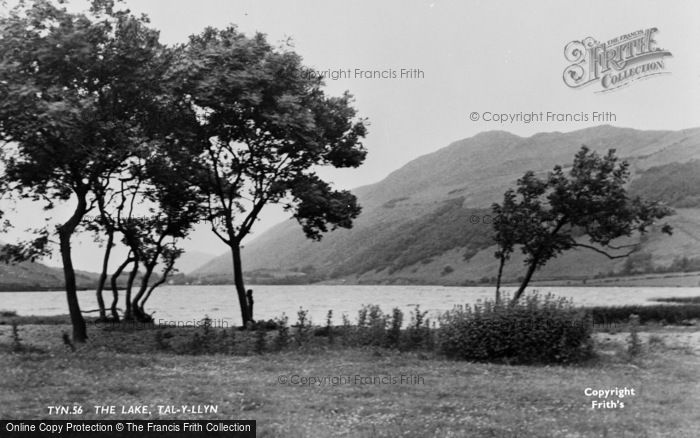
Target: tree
{"points": [[505, 233], [169, 255], [74, 90], [265, 128], [97, 227], [175, 209], [547, 216]]}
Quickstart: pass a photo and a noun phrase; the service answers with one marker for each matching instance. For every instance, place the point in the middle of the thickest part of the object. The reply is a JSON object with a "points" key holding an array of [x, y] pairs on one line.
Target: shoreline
{"points": [[680, 279]]}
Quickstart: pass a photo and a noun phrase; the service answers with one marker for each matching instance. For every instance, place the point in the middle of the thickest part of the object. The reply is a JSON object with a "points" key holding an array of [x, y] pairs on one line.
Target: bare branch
{"points": [[606, 254]]}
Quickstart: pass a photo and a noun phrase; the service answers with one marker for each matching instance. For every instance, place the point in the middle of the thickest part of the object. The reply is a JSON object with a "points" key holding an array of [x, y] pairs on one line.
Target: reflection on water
{"points": [[188, 303]]}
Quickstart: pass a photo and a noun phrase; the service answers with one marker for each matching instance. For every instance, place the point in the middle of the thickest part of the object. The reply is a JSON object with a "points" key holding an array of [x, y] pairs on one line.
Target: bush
{"points": [[329, 326], [269, 325], [393, 337], [303, 327], [16, 340], [634, 344], [260, 341], [371, 326], [662, 313], [207, 334], [282, 338], [227, 341], [534, 330], [691, 300], [347, 331], [418, 332], [160, 338]]}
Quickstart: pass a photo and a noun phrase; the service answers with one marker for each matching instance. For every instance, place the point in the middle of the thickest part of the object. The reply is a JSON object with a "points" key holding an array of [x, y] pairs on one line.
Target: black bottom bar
{"points": [[130, 428]]}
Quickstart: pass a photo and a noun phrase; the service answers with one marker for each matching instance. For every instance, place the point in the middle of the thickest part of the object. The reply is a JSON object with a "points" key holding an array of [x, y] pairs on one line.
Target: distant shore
{"points": [[677, 279]]}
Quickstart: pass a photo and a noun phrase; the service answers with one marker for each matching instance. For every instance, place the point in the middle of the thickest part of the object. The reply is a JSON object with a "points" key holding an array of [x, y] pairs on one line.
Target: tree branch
{"points": [[606, 254]]}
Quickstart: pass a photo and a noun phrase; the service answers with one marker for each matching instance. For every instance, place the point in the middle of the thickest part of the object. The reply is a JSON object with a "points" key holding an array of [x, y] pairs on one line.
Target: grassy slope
{"points": [[34, 276], [413, 240], [458, 399]]}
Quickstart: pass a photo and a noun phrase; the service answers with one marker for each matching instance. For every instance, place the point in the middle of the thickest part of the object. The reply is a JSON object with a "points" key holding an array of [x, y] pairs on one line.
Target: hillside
{"points": [[417, 224], [190, 261], [36, 276]]}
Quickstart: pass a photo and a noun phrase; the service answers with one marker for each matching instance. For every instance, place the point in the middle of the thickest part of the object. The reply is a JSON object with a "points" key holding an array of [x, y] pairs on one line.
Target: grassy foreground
{"points": [[451, 399]]}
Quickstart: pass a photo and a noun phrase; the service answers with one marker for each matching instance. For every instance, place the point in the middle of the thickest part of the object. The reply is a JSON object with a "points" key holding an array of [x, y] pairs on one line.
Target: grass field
{"points": [[445, 398]]}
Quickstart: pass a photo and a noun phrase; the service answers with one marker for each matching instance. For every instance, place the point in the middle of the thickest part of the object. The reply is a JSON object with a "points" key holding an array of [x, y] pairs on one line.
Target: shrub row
{"points": [[535, 330], [372, 328], [661, 313], [684, 300]]}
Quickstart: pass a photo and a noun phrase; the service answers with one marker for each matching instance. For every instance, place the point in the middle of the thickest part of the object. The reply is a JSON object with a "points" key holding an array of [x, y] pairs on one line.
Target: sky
{"points": [[466, 57]]}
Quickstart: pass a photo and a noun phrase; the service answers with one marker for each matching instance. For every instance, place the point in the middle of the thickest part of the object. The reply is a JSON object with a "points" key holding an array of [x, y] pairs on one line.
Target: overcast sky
{"points": [[475, 56]]}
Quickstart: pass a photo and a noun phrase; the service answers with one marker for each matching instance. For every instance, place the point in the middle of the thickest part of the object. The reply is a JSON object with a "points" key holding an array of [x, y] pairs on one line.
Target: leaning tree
{"points": [[265, 129], [174, 206], [74, 91], [584, 207]]}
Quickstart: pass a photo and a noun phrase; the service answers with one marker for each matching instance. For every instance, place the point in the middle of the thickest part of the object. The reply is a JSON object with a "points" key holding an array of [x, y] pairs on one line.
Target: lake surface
{"points": [[191, 303]]}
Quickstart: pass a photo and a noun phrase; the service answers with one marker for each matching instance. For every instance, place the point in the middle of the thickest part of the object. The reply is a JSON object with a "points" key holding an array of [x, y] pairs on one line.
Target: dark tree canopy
{"points": [[78, 92], [550, 215], [266, 128], [95, 112]]}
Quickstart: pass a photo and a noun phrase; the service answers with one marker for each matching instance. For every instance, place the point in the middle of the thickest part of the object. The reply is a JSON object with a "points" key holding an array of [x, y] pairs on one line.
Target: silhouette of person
{"points": [[249, 295]]}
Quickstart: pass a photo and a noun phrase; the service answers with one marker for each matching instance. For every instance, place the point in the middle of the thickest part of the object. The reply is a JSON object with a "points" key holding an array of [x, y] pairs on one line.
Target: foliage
{"points": [[634, 344], [303, 327], [658, 313], [447, 270], [260, 341], [416, 241], [264, 130], [534, 330], [692, 300], [329, 327], [675, 184], [79, 95], [371, 326], [282, 338], [393, 336], [16, 340], [418, 333], [347, 330], [160, 339], [545, 216]]}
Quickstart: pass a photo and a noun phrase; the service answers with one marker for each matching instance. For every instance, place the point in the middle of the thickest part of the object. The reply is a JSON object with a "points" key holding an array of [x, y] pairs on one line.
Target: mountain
{"points": [[425, 222], [36, 276], [191, 260]]}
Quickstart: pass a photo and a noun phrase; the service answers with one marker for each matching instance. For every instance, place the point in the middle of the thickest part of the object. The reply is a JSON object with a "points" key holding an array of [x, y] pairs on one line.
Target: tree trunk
{"points": [[65, 232], [162, 280], [103, 275], [498, 279], [135, 305], [240, 286], [115, 289], [150, 291], [530, 270], [129, 284]]}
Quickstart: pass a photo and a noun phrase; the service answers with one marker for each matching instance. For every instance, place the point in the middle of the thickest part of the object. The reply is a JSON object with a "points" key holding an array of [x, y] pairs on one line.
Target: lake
{"points": [[190, 303]]}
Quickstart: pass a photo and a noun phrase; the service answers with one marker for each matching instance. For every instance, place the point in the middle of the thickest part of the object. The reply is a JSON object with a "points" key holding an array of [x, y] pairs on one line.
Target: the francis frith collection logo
{"points": [[615, 63]]}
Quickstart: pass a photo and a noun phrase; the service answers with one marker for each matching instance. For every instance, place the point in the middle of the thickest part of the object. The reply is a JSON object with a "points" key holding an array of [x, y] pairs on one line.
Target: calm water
{"points": [[188, 303]]}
